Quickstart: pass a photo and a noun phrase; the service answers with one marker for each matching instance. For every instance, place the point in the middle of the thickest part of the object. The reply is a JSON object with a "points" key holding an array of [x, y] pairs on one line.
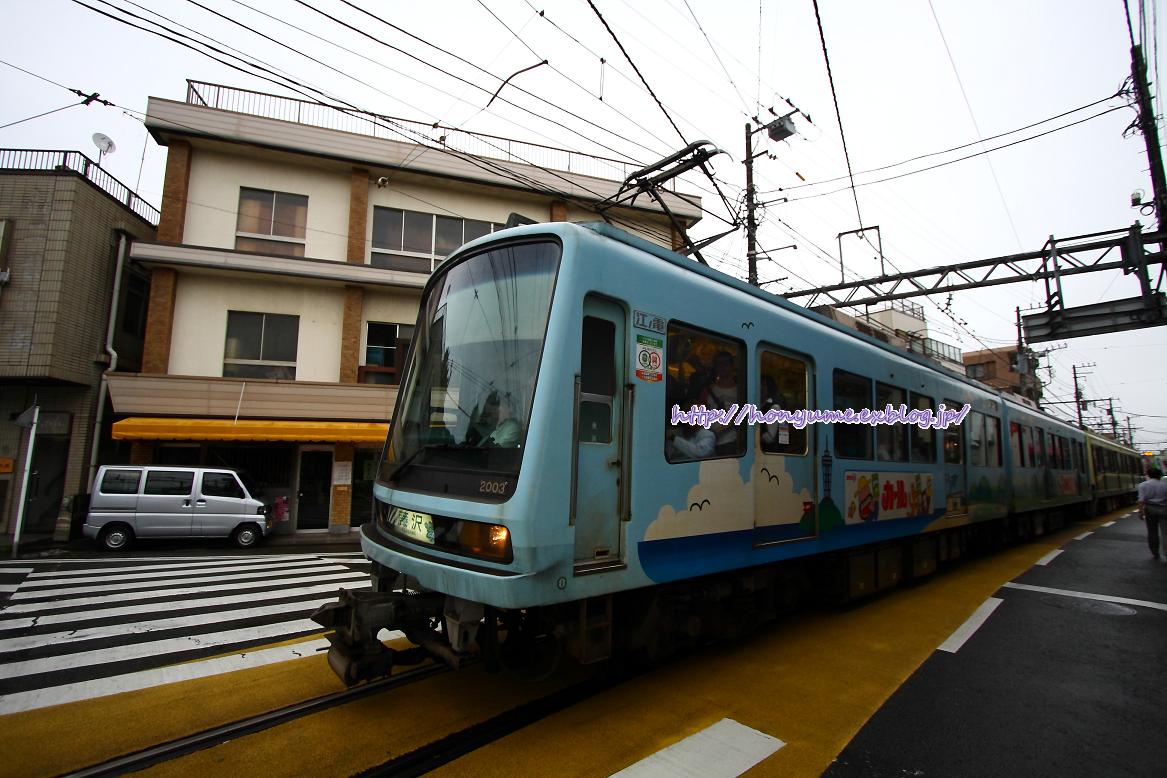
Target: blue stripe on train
{"points": [[672, 559]]}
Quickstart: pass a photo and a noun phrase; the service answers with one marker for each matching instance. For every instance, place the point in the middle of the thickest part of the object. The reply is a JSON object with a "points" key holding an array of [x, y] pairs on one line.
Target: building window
{"points": [[137, 302], [385, 347], [271, 222], [417, 241], [260, 345]]}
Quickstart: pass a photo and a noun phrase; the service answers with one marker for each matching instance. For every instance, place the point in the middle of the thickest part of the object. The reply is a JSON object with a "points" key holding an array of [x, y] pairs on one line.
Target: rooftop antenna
{"points": [[105, 145]]}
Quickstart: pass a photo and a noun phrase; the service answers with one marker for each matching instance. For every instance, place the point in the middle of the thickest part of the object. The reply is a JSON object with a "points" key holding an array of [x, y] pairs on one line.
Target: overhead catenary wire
{"points": [[838, 115], [39, 115]]}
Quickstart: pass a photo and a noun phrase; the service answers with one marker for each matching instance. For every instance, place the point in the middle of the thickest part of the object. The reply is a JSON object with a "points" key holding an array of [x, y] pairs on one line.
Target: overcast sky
{"points": [[911, 77]]}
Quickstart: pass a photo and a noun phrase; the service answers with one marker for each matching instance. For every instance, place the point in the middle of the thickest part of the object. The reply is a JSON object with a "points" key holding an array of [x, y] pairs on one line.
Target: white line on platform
{"points": [[726, 748], [173, 605], [102, 687], [970, 626], [42, 594], [1108, 524], [273, 583], [1045, 560], [1088, 596], [37, 581], [156, 648], [1083, 536]]}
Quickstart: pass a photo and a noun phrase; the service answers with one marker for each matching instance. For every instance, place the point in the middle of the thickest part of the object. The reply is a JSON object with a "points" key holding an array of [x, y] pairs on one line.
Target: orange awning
{"points": [[146, 428]]}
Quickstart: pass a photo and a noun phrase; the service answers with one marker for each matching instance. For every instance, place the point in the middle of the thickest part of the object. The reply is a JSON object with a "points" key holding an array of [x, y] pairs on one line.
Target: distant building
{"points": [[900, 323], [61, 220], [998, 368], [293, 245]]}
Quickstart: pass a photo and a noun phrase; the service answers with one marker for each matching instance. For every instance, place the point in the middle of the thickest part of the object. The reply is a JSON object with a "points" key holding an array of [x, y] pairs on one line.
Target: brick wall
{"points": [[174, 192], [159, 321]]}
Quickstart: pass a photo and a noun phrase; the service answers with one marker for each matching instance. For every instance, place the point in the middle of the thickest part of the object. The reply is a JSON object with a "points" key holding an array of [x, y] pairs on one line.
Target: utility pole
{"points": [[1149, 128], [1130, 435], [780, 128], [1079, 403], [1113, 421], [751, 224]]}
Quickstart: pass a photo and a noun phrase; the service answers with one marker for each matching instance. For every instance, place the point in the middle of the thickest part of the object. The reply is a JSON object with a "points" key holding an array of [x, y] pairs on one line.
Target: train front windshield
{"points": [[466, 402]]}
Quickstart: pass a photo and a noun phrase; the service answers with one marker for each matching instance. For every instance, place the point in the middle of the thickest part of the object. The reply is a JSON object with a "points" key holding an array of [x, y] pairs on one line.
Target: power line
{"points": [[718, 57], [918, 157], [39, 115], [638, 73], [961, 159], [838, 115]]}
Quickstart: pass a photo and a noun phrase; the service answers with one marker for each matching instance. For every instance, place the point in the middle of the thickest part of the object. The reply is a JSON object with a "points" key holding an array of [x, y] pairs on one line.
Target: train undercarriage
{"points": [[643, 626]]}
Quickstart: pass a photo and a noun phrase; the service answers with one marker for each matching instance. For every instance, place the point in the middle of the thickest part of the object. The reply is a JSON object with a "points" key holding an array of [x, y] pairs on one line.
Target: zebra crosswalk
{"points": [[76, 629]]}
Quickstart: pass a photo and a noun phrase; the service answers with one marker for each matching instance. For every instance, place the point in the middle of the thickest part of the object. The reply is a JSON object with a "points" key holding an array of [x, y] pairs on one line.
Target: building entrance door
{"points": [[313, 500]]}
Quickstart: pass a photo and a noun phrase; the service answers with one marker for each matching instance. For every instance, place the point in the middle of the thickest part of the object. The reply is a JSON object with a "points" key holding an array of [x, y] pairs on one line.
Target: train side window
{"points": [[953, 450], [891, 440], [923, 441], [1051, 454], [597, 380], [1027, 446], [992, 441], [1081, 456], [703, 369], [852, 441], [976, 439], [783, 386], [1015, 444]]}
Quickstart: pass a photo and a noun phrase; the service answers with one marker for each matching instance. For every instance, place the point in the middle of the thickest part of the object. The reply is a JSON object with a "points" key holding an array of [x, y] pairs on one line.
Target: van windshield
{"points": [[466, 402]]}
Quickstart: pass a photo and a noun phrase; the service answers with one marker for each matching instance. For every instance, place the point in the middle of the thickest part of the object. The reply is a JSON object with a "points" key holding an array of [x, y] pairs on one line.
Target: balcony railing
{"points": [[343, 119], [75, 161], [935, 349]]}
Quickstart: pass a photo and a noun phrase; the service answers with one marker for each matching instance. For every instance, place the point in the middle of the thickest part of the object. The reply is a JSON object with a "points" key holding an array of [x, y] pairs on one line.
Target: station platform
{"points": [[1063, 671]]}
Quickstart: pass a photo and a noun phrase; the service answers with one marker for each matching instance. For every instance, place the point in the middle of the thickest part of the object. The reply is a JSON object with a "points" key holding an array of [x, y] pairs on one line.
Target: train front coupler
{"points": [[355, 653]]}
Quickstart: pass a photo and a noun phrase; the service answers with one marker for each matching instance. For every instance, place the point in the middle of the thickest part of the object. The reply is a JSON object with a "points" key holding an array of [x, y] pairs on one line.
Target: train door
{"points": [[597, 485], [784, 487], [955, 466]]}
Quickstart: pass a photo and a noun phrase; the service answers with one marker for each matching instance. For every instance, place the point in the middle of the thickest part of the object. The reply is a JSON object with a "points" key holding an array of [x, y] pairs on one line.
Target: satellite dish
{"points": [[105, 145]]}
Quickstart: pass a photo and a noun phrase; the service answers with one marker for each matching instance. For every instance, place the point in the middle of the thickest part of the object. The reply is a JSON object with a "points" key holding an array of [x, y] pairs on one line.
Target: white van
{"points": [[145, 501]]}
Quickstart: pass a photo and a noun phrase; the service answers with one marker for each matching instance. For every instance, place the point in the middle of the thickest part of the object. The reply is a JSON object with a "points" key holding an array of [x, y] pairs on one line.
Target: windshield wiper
{"points": [[409, 460]]}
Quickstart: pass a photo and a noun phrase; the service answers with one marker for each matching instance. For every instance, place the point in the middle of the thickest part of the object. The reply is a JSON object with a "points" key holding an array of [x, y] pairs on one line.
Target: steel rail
{"points": [[164, 752]]}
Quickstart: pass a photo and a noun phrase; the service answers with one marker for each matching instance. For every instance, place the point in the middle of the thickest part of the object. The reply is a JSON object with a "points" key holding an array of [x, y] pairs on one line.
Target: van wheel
{"points": [[116, 537], [247, 535]]}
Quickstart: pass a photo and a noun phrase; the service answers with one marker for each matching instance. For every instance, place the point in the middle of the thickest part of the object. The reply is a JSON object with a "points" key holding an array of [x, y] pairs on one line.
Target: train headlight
{"points": [[491, 541]]}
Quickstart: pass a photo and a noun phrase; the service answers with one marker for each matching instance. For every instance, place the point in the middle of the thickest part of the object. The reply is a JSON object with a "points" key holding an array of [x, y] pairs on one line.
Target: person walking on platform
{"points": [[1153, 506]]}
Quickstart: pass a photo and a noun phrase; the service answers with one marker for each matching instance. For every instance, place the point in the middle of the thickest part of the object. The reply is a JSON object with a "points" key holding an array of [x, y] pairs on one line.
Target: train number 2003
{"points": [[492, 487]]}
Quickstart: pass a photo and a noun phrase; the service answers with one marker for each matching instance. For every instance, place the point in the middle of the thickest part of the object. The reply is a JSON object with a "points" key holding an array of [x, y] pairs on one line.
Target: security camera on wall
{"points": [[382, 182]]}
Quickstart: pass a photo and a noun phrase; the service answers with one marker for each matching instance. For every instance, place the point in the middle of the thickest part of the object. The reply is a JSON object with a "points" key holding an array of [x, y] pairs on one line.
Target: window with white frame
{"points": [[260, 345], [271, 222], [385, 347], [417, 241]]}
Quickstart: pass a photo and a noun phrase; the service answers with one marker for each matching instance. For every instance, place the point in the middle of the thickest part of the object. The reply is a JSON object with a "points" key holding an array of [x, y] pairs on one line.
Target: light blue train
{"points": [[535, 500]]}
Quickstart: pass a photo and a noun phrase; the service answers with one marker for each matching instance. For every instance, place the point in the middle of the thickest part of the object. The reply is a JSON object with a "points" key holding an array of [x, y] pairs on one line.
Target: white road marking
{"points": [[41, 594], [23, 643], [162, 575], [1084, 535], [36, 607], [191, 566], [103, 687], [156, 648], [971, 625], [1045, 560], [14, 570], [1108, 524], [8, 588], [171, 605], [110, 558], [726, 748], [1088, 596]]}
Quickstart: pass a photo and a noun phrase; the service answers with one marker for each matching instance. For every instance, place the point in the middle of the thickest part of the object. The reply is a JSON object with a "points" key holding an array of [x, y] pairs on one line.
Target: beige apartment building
{"points": [[285, 279], [62, 222]]}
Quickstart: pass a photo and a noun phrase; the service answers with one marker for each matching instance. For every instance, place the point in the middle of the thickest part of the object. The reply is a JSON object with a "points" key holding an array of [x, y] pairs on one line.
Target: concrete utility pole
{"points": [[751, 224], [1150, 130]]}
